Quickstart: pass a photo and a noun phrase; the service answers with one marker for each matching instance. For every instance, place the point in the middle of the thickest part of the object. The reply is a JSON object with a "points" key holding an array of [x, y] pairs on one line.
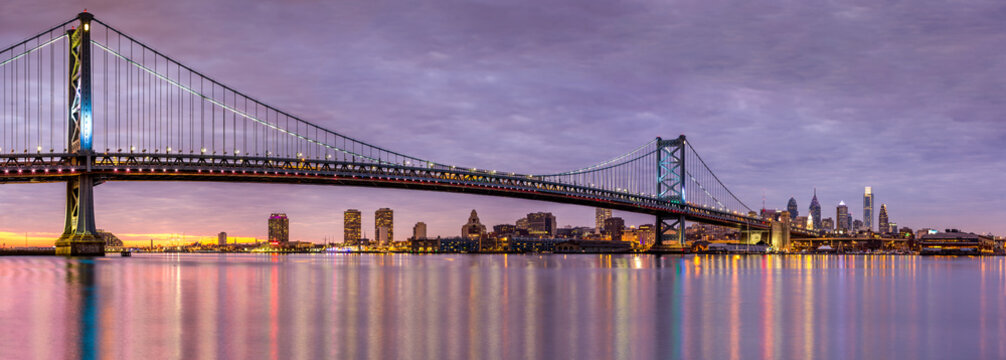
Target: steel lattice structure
{"points": [[129, 112]]}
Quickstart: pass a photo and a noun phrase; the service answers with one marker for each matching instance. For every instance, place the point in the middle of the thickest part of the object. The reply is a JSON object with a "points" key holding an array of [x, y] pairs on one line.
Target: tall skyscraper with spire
{"points": [[794, 212], [868, 208], [815, 211]]}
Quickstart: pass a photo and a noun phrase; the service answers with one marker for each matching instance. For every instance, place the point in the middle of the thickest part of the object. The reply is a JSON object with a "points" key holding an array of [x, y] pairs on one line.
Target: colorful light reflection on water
{"points": [[502, 306]]}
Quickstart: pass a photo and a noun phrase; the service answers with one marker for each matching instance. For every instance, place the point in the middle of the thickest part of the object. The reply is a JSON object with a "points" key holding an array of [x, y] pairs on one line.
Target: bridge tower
{"points": [[671, 187], [79, 233]]}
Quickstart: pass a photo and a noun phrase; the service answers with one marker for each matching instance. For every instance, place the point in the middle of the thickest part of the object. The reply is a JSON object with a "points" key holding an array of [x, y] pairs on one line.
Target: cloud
{"points": [[779, 97]]}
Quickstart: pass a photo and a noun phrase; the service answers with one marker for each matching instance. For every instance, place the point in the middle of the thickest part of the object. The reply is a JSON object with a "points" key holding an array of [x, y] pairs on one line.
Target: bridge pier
{"points": [[79, 233]]}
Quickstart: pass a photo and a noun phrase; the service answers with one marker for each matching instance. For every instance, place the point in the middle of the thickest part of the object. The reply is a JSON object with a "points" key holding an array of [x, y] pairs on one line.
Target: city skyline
{"points": [[460, 107]]}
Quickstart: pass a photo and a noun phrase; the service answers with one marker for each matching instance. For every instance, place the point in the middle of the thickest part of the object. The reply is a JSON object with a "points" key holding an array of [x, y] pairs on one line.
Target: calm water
{"points": [[496, 306]]}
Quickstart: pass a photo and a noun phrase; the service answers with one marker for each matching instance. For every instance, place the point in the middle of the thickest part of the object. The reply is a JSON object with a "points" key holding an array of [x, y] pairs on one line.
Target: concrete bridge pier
{"points": [[79, 232]]}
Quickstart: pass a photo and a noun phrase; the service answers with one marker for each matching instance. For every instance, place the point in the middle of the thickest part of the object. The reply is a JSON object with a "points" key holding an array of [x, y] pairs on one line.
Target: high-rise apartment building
{"points": [[883, 223], [384, 225], [279, 229], [815, 211], [794, 212], [600, 215], [868, 209], [351, 227], [842, 215], [419, 231], [222, 239]]}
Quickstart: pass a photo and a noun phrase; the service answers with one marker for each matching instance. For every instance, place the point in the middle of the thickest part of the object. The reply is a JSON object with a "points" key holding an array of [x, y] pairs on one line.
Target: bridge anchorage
{"points": [[131, 113]]}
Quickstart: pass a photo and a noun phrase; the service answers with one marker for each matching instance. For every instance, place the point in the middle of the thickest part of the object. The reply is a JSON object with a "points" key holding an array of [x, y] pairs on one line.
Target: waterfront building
{"points": [[828, 224], [600, 215], [955, 242], [419, 231], [794, 212], [857, 225], [473, 229], [893, 228], [868, 209], [646, 235], [883, 222], [613, 228], [503, 230], [815, 211], [384, 218], [222, 239], [351, 227], [522, 224], [842, 215], [541, 224], [458, 245], [279, 229]]}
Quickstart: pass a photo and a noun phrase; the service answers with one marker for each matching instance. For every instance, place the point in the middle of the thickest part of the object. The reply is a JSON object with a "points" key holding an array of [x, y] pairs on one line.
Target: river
{"points": [[399, 306]]}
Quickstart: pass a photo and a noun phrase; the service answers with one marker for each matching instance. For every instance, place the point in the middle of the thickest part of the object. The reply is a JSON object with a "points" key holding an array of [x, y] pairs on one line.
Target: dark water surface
{"points": [[502, 306]]}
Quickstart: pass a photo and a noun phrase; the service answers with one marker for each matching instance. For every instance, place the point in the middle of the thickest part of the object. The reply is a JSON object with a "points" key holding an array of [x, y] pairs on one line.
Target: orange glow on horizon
{"points": [[44, 239]]}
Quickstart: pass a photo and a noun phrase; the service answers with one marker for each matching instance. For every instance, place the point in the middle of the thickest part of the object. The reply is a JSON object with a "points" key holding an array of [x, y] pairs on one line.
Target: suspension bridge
{"points": [[84, 103]]}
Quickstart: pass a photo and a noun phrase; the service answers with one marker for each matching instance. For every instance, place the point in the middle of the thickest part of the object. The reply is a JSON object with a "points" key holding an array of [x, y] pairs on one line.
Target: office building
{"points": [[794, 212], [883, 223], [613, 228], [541, 224], [815, 211], [868, 209], [600, 215], [222, 239], [384, 225], [827, 224], [351, 227], [842, 215], [279, 229], [473, 229]]}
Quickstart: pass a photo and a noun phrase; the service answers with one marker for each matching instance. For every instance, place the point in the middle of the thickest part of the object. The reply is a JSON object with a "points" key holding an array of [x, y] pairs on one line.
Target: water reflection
{"points": [[506, 306]]}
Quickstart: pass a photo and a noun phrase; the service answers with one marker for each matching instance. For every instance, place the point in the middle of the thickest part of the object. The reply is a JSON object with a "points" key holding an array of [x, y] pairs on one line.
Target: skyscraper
{"points": [[222, 238], [883, 223], [351, 227], [600, 215], [279, 229], [384, 225], [794, 212], [419, 231], [815, 211], [842, 213], [868, 209]]}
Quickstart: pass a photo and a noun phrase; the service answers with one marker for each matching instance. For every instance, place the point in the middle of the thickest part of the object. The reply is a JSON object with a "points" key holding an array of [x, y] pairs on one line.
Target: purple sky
{"points": [[777, 96]]}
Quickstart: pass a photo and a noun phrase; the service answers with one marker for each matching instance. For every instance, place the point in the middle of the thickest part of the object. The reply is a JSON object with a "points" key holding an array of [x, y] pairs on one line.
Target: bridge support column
{"points": [[79, 233], [670, 231], [671, 188]]}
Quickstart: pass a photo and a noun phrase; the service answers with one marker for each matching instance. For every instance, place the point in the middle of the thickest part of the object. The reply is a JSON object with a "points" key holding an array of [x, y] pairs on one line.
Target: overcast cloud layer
{"points": [[779, 97]]}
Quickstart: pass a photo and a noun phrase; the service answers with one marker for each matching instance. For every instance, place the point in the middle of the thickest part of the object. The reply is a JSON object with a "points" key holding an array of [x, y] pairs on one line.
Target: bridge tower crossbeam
{"points": [[79, 232]]}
